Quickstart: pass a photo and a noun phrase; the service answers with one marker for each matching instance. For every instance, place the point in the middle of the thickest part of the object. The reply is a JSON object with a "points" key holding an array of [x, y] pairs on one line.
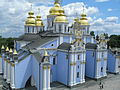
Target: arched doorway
{"points": [[28, 83]]}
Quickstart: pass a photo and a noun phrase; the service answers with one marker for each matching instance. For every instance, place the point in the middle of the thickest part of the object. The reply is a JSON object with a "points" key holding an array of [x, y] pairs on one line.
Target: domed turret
{"points": [[61, 19], [38, 21], [31, 19], [56, 10], [83, 20]]}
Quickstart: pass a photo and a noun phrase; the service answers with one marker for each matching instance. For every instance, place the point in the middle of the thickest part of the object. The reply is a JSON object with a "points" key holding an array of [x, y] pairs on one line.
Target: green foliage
{"points": [[114, 41], [7, 42], [92, 33]]}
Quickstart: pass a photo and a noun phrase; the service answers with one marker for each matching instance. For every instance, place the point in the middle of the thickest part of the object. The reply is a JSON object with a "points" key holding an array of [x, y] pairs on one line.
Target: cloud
{"points": [[73, 8], [108, 25], [110, 9], [14, 13], [101, 0]]}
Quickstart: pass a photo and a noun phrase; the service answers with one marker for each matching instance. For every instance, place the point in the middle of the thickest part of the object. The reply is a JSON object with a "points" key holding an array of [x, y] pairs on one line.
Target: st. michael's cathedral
{"points": [[59, 53]]}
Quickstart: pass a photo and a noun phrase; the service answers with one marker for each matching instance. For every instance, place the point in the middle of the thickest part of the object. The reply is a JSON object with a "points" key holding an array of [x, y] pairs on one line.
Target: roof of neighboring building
{"points": [[91, 46], [65, 46]]}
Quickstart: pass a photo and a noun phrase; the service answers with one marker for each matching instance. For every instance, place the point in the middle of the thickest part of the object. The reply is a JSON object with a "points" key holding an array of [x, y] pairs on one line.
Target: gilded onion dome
{"points": [[30, 19], [56, 10], [61, 19], [38, 21], [76, 19], [83, 20]]}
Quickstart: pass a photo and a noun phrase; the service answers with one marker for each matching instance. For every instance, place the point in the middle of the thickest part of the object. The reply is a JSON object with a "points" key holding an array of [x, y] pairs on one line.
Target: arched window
{"points": [[60, 28], [78, 57]]}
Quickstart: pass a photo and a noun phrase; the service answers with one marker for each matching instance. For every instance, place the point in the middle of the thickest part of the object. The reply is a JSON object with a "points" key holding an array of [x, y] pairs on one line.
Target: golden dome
{"points": [[76, 19], [61, 19], [83, 20], [38, 21], [31, 19], [56, 10]]}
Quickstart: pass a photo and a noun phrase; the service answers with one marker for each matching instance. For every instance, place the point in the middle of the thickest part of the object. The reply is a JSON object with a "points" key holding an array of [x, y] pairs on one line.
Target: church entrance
{"points": [[28, 83]]}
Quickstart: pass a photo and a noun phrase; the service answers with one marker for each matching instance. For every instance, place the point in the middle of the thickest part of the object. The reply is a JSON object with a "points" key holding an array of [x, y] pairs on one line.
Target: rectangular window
{"points": [[93, 54], [102, 54], [65, 28], [101, 69], [54, 61], [78, 75], [28, 30], [78, 57], [60, 28], [66, 56]]}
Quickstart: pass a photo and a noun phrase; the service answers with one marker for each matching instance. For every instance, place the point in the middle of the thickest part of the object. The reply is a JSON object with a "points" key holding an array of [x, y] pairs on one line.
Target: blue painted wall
{"points": [[111, 62], [62, 68], [35, 71], [23, 72], [90, 64], [66, 39]]}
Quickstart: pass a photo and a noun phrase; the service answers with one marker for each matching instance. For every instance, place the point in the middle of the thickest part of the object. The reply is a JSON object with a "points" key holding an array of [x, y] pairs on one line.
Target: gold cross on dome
{"points": [[31, 7]]}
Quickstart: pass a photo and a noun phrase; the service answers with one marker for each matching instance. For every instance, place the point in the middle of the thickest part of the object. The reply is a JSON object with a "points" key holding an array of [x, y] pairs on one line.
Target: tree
{"points": [[92, 33], [114, 41]]}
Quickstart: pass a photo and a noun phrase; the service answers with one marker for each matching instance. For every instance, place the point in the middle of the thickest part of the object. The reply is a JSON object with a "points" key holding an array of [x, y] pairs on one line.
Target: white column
{"points": [[1, 65], [5, 70], [92, 41], [12, 77], [49, 78], [97, 71], [83, 70], [85, 39], [71, 70], [116, 65], [61, 39], [74, 69], [70, 39], [104, 68], [8, 74], [44, 78]]}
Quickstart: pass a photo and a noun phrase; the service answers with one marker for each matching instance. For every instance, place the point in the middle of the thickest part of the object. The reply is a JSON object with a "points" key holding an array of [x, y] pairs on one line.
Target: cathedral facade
{"points": [[61, 53]]}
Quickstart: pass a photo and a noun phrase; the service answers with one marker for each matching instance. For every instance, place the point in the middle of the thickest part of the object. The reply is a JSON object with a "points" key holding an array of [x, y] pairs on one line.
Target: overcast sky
{"points": [[103, 15]]}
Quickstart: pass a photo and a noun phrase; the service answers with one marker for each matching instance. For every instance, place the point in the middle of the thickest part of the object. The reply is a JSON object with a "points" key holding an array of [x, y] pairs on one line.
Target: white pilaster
{"points": [[8, 74], [74, 68], [1, 65], [71, 70], [83, 69], [12, 77], [97, 67], [104, 68], [44, 78], [116, 65], [48, 79], [5, 70]]}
